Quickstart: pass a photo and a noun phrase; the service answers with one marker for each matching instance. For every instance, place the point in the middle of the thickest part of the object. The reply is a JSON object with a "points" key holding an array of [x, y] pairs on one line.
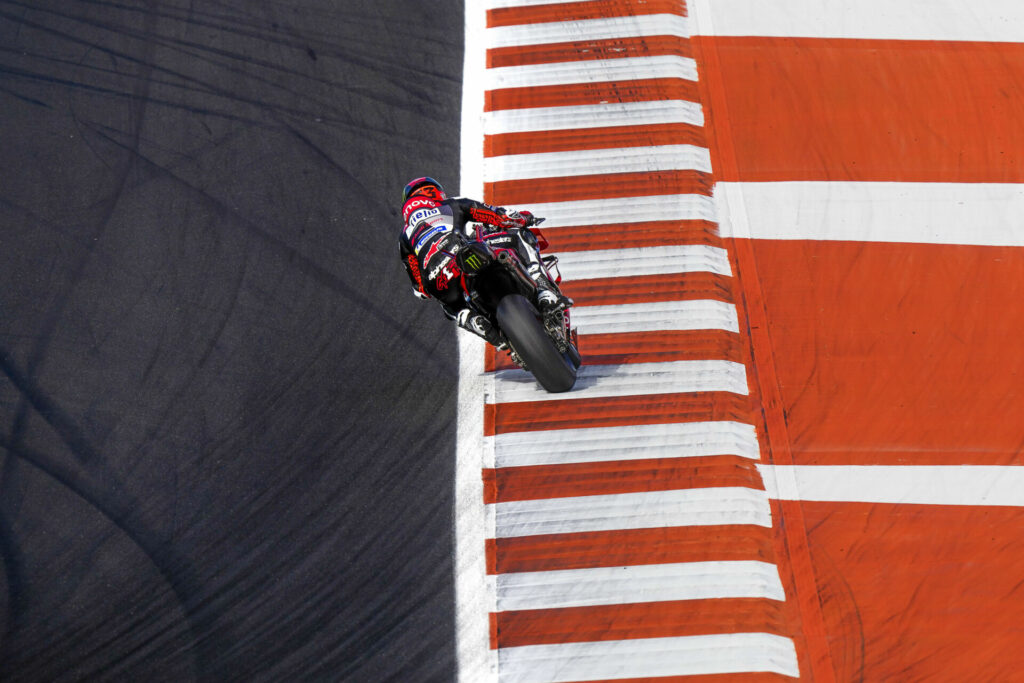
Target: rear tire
{"points": [[520, 322]]}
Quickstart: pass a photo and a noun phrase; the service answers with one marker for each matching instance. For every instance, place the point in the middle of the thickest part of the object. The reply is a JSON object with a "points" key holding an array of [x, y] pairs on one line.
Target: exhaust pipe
{"points": [[515, 267]]}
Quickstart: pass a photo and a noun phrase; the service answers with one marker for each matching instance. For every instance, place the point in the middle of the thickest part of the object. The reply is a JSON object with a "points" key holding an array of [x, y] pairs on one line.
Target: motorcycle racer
{"points": [[429, 242]]}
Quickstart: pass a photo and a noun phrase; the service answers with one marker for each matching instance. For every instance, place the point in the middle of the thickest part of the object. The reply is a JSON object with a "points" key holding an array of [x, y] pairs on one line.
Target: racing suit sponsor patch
{"points": [[430, 234], [414, 205], [422, 215]]}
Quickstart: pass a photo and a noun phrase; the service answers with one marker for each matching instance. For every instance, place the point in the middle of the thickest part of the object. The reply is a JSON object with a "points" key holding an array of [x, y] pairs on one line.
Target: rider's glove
{"points": [[516, 219], [419, 294]]}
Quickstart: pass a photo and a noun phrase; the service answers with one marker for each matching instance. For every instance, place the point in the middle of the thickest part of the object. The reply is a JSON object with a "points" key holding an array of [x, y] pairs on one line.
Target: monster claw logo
{"points": [[473, 262]]}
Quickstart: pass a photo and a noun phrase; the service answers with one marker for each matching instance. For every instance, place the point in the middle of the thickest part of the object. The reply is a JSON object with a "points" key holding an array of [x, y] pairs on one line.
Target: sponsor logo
{"points": [[423, 214], [411, 206], [473, 261], [428, 235], [437, 271], [441, 246], [414, 268], [443, 274]]}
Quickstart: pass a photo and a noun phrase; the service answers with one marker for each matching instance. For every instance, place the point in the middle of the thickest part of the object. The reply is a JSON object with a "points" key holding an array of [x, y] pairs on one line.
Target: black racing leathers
{"points": [[428, 244]]}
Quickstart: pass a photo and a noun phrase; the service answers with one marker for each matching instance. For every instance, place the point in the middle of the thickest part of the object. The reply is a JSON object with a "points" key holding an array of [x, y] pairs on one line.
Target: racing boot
{"points": [[548, 298], [551, 301], [481, 327]]}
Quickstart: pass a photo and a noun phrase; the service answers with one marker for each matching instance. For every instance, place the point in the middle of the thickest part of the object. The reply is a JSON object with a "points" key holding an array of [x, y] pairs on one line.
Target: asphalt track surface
{"points": [[226, 428]]}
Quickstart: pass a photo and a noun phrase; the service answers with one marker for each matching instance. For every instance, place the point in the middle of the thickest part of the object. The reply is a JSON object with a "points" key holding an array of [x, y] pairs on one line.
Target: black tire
{"points": [[521, 323]]}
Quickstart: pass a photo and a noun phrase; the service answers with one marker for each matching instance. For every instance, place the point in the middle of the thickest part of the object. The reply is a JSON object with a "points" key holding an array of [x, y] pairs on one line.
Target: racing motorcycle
{"points": [[498, 286]]}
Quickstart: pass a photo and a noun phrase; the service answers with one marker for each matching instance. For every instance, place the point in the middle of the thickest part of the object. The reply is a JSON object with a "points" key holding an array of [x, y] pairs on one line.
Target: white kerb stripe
{"points": [[630, 379], [477, 662], [978, 20], [925, 213], [995, 485], [644, 510], [593, 116], [670, 207], [639, 442], [597, 161], [727, 653], [638, 261], [637, 583], [587, 29], [619, 70], [702, 314]]}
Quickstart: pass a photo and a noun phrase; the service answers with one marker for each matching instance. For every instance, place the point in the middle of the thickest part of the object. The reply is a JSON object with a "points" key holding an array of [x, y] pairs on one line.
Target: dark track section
{"points": [[226, 427]]}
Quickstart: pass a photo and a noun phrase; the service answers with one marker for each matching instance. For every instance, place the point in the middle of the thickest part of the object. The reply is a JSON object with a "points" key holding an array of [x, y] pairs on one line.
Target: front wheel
{"points": [[521, 323]]}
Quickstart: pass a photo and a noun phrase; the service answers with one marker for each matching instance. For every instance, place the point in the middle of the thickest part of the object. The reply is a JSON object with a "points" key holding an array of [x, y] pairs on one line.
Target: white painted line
{"points": [[597, 161], [499, 4], [926, 213], [678, 258], [473, 596], [995, 485], [637, 583], [671, 207], [650, 658], [703, 314], [606, 444], [645, 510], [979, 20], [477, 662], [618, 70], [593, 116], [586, 30], [630, 379]]}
